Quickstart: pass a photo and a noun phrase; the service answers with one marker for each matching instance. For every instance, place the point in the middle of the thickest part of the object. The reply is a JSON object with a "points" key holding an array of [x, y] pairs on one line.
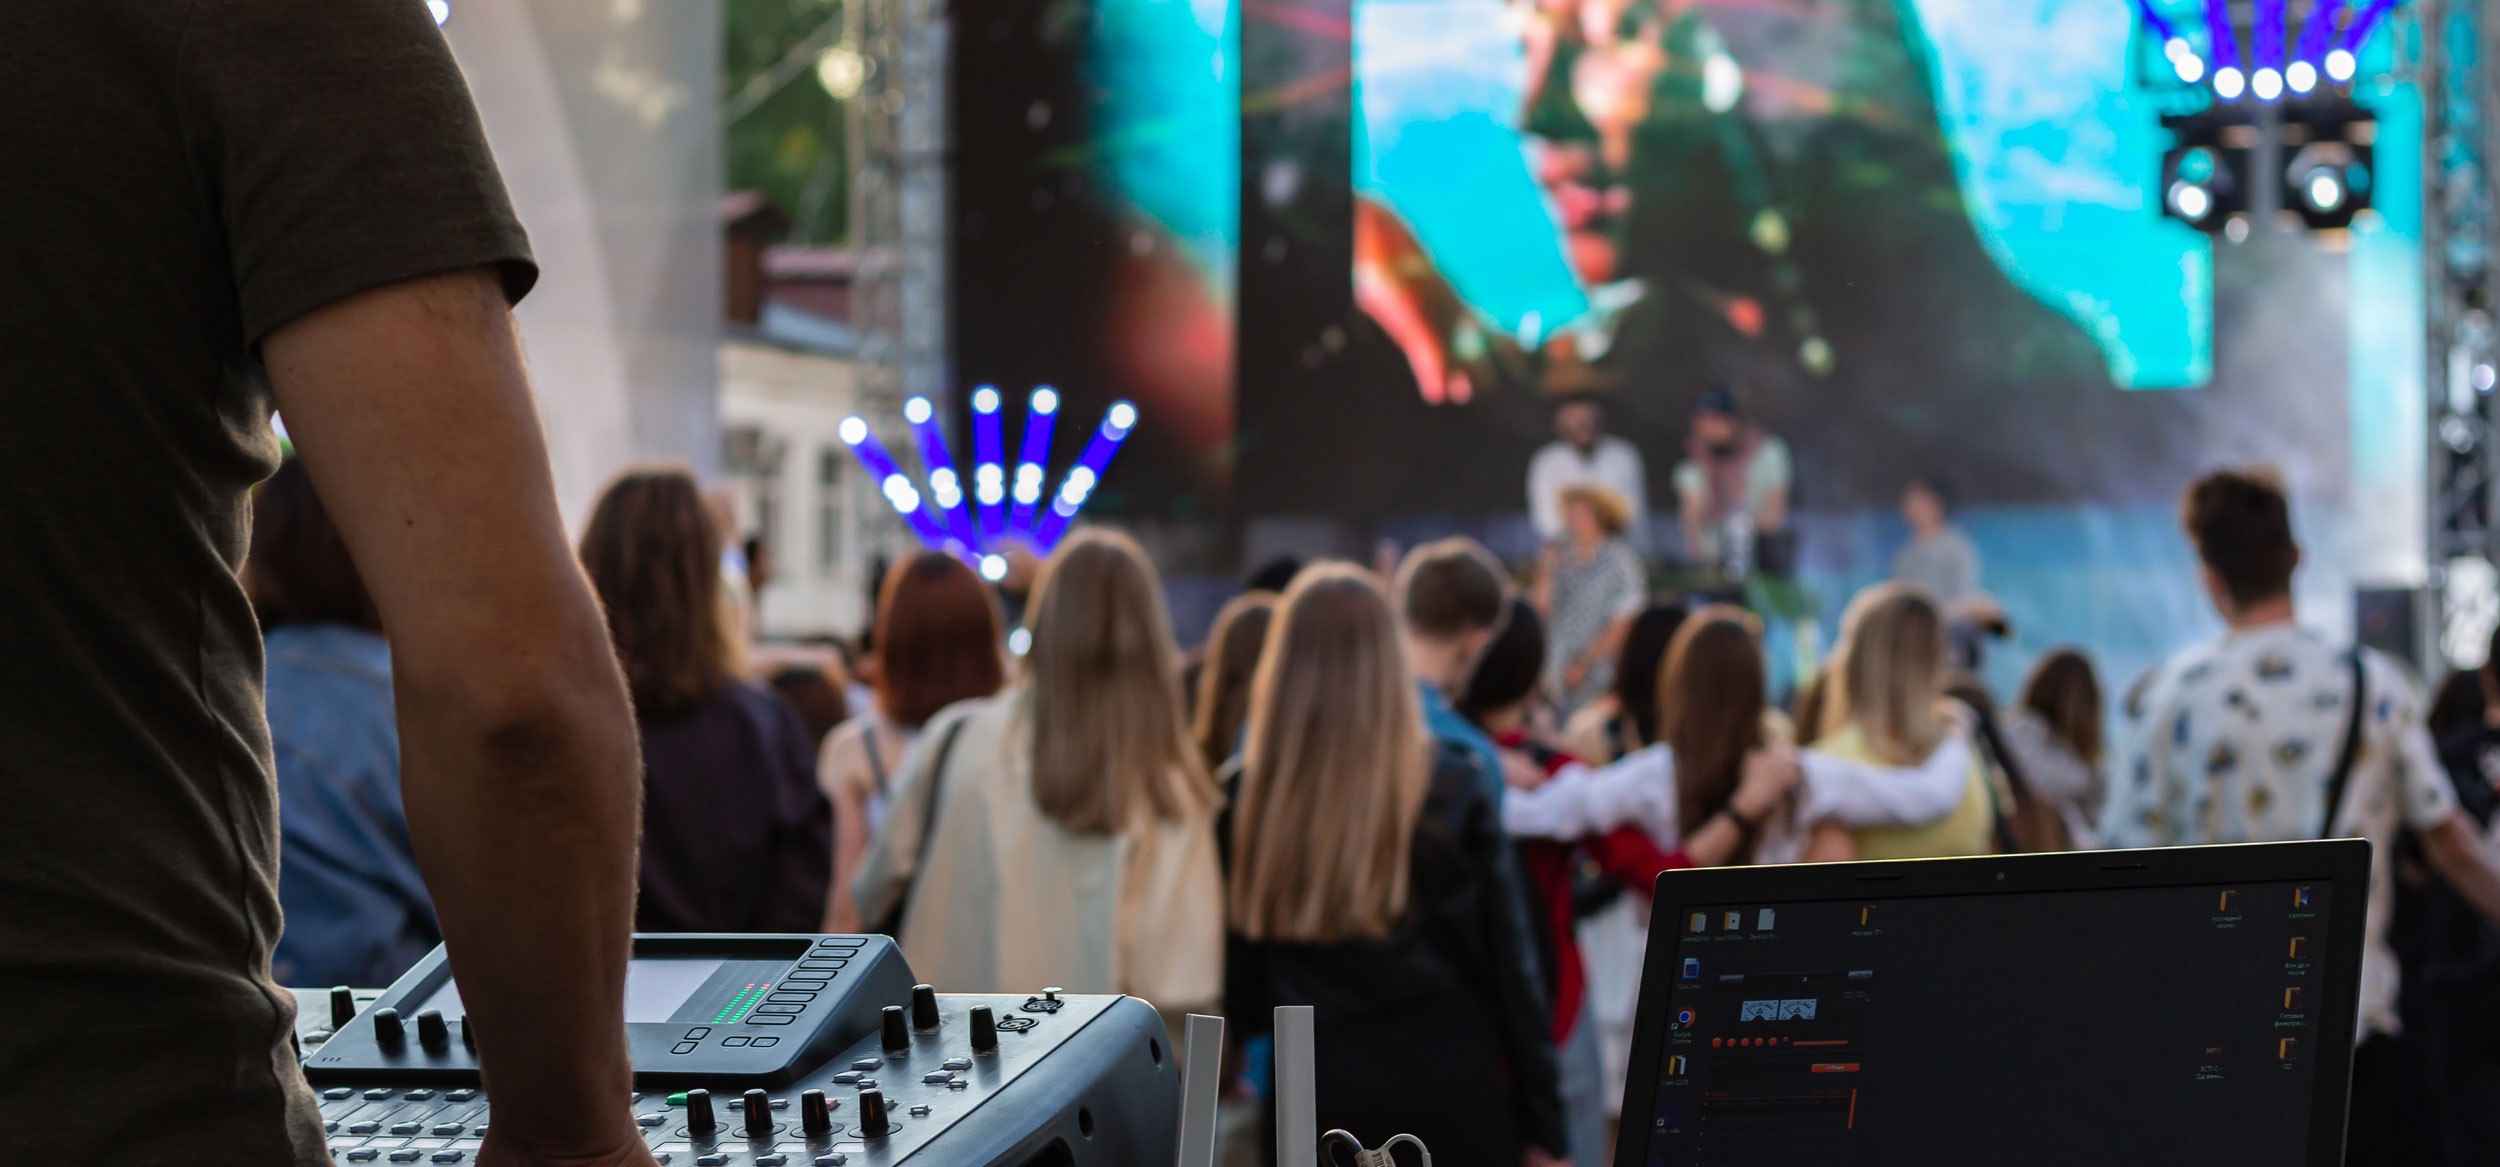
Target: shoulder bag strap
{"points": [[876, 758], [2351, 749], [892, 925]]}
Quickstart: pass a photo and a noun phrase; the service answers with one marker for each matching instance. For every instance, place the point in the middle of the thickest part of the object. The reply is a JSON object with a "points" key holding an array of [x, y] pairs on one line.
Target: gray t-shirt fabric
{"points": [[1947, 566], [183, 177]]}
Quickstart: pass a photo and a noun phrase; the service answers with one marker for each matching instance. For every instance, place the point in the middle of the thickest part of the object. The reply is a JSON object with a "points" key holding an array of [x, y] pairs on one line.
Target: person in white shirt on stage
{"points": [[1582, 454]]}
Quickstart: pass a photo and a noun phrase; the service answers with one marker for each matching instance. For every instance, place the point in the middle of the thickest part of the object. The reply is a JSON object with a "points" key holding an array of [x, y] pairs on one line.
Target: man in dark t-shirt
{"points": [[209, 208]]}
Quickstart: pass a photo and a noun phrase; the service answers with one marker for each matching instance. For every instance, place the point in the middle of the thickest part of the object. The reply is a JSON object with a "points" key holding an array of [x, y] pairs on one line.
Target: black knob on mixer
{"points": [[984, 1029], [468, 1035], [432, 1031], [897, 1034], [924, 1013], [699, 1113], [759, 1109], [815, 1117], [872, 1120], [388, 1029], [342, 1007]]}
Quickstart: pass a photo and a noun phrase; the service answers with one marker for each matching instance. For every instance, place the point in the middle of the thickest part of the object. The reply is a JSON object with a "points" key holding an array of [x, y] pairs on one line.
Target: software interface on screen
{"points": [[2144, 1026]]}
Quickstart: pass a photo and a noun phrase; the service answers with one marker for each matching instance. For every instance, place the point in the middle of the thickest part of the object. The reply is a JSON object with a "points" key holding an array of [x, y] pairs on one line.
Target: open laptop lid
{"points": [[2190, 1005]]}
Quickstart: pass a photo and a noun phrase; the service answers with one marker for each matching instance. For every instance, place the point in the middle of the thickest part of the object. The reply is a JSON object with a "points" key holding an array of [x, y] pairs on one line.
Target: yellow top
{"points": [[1969, 830]]}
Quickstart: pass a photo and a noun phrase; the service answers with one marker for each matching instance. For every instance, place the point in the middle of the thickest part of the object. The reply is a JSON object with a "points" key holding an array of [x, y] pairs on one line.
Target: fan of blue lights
{"points": [[2272, 64], [1002, 513]]}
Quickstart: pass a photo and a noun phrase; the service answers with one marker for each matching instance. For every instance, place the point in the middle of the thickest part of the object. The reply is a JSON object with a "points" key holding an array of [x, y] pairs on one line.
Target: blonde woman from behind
{"points": [[1068, 820]]}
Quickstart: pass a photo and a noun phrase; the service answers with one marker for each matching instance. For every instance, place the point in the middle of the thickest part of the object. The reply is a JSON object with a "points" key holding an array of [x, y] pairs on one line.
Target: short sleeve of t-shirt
{"points": [[1770, 470], [2395, 721], [340, 146]]}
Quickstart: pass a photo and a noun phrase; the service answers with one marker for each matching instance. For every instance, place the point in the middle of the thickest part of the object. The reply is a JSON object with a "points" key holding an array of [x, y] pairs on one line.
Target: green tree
{"points": [[784, 134]]}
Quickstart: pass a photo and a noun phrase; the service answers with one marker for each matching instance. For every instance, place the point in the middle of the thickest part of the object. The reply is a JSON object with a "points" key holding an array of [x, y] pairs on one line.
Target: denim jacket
{"points": [[357, 912]]}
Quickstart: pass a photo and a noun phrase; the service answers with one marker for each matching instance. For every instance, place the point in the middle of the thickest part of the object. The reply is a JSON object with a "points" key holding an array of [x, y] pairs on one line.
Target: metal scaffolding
{"points": [[2456, 43]]}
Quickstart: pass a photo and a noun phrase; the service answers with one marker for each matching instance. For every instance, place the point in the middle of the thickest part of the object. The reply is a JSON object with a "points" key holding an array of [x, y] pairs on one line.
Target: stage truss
{"points": [[2457, 40]]}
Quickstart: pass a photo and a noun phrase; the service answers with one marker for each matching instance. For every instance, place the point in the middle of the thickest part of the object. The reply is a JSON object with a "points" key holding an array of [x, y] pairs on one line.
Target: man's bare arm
{"points": [[517, 745]]}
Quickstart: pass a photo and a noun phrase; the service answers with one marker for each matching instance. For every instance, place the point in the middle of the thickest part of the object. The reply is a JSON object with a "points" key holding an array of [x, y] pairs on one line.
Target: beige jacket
{"points": [[1007, 901]]}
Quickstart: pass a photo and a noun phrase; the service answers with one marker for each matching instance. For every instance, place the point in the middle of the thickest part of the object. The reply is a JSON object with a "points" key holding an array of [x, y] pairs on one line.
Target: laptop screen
{"points": [[2176, 1024]]}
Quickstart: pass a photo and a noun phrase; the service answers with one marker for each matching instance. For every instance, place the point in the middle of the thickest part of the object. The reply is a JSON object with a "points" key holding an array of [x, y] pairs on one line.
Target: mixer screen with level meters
{"points": [[777, 1051]]}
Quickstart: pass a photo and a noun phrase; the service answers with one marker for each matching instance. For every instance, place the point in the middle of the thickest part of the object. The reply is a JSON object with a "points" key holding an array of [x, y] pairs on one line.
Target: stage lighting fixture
{"points": [[441, 11], [2266, 84], [1078, 487], [2204, 174], [2328, 178], [2301, 76], [989, 457], [918, 411], [2189, 66], [993, 567], [2340, 66], [1041, 410], [2229, 83]]}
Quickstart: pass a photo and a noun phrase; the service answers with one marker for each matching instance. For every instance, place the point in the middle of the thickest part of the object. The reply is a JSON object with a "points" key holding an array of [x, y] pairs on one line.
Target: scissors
{"points": [[1339, 1149]]}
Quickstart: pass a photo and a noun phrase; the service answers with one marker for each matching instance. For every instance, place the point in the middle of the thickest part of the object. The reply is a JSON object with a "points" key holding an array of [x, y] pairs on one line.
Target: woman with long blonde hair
{"points": [[1362, 885], [1886, 704], [1061, 832]]}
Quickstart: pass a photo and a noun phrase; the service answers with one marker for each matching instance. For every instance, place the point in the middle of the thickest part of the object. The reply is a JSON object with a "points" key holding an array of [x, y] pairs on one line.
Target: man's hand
{"points": [[517, 746], [1770, 773], [1520, 772]]}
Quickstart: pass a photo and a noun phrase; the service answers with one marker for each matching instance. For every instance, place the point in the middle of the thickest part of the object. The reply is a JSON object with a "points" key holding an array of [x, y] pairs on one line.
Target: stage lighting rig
{"points": [[2251, 81], [969, 524]]}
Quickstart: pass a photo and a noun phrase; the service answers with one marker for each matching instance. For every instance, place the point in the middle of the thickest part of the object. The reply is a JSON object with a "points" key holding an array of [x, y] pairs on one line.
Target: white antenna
{"points": [[1297, 1091], [1202, 1069]]}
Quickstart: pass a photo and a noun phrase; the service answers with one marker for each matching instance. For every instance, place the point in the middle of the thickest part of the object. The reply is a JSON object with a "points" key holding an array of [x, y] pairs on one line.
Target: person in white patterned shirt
{"points": [[2238, 741]]}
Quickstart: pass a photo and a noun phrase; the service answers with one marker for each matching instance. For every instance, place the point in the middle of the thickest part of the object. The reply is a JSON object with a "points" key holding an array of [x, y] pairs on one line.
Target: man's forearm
{"points": [[525, 819]]}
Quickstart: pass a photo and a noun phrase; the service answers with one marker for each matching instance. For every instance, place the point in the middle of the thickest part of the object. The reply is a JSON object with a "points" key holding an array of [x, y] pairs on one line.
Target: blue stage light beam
{"points": [[946, 488], [2358, 32], [1034, 464], [2265, 79], [989, 470], [1078, 487], [2314, 34], [2222, 40], [891, 482], [2161, 29]]}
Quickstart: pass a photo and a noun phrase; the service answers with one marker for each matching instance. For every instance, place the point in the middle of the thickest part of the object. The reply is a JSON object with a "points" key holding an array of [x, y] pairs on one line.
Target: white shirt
{"points": [[1614, 465], [2236, 741], [1639, 790]]}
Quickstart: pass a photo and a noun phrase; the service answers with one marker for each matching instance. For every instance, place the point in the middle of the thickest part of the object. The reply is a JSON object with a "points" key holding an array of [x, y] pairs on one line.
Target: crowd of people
{"points": [[1430, 804]]}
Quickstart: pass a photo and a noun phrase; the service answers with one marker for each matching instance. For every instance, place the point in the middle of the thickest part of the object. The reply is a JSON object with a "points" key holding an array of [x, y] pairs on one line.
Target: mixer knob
{"points": [[388, 1030], [814, 1117], [432, 1031], [897, 1032], [468, 1035], [342, 1007], [872, 1120], [759, 1110], [699, 1113], [924, 1010], [984, 1029]]}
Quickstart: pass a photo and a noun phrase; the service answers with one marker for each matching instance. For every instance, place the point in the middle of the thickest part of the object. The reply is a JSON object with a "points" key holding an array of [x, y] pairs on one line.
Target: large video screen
{"points": [[1911, 236]]}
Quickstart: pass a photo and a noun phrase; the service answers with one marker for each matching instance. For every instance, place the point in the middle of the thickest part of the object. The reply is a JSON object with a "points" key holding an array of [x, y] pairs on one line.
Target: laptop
{"points": [[2139, 1008]]}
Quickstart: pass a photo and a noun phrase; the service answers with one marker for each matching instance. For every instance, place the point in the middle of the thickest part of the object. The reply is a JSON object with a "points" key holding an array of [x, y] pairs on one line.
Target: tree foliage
{"points": [[792, 146]]}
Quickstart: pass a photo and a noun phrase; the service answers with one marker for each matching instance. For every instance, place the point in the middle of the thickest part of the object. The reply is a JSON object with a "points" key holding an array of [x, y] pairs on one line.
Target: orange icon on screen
{"points": [[2230, 899], [2287, 1047], [2300, 947], [2291, 999]]}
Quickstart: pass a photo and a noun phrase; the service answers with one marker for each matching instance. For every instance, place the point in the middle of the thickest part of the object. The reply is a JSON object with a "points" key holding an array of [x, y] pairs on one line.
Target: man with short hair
{"points": [[2240, 741], [215, 207], [1583, 454]]}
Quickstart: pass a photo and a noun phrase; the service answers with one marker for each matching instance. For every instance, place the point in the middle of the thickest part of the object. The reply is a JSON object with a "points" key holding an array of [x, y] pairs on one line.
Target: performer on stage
{"points": [[1732, 487], [1583, 454]]}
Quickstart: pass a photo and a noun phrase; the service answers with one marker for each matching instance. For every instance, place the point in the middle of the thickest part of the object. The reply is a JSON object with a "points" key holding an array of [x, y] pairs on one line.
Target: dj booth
{"points": [[774, 1051], [2183, 1006]]}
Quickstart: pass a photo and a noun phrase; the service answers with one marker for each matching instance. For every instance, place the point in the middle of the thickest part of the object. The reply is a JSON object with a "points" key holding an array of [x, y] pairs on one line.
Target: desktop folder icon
{"points": [[1675, 1066], [2300, 899], [1701, 921], [1735, 920], [2291, 999], [2300, 948], [2286, 1048], [2230, 899]]}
